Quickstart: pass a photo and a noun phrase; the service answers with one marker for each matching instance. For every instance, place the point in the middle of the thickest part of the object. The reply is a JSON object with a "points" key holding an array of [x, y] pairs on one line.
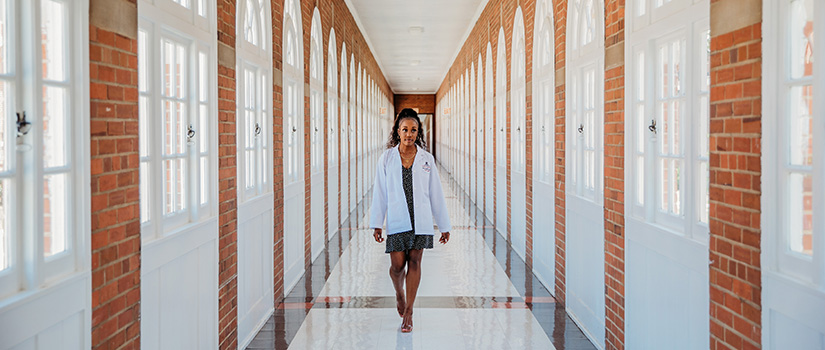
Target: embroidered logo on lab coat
{"points": [[426, 167]]}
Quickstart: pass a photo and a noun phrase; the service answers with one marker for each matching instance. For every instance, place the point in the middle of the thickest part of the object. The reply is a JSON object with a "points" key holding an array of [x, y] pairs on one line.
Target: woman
{"points": [[408, 193]]}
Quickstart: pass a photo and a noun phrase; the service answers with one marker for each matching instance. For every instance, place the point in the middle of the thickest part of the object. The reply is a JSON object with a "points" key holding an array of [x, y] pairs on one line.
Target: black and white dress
{"points": [[404, 241]]}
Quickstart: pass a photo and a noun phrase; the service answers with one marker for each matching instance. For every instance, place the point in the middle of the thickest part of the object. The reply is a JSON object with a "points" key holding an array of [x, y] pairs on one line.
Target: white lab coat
{"points": [[389, 200]]}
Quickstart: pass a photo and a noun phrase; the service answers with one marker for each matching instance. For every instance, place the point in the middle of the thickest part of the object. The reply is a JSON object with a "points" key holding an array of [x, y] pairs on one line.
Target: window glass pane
{"points": [[145, 213], [202, 8], [54, 40], [800, 213], [143, 58], [55, 208], [203, 134], [5, 132], [640, 180], [802, 38], [705, 63], [54, 126], [204, 195], [704, 188], [203, 77], [801, 133], [4, 37], [5, 236], [184, 3]]}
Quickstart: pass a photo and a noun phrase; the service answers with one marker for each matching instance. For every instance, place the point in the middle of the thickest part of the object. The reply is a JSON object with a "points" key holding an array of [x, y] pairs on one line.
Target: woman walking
{"points": [[408, 193]]}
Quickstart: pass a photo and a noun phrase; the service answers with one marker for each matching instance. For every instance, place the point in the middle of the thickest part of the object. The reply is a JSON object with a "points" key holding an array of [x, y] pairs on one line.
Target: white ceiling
{"points": [[415, 63]]}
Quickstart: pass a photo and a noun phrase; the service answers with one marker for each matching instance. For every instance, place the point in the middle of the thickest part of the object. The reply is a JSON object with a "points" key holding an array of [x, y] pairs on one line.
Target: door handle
{"points": [[581, 128], [652, 126]]}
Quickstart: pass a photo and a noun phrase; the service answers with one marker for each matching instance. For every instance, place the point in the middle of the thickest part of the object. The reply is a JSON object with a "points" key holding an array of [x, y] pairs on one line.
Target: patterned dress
{"points": [[404, 241]]}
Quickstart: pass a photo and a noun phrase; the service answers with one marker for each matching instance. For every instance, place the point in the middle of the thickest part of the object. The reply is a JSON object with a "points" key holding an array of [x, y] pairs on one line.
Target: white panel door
{"points": [[793, 164], [501, 136], [489, 131], [544, 206], [518, 135], [667, 275]]}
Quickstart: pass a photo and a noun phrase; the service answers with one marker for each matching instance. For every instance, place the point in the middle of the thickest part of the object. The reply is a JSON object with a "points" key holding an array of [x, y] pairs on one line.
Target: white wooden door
{"points": [[316, 136], [45, 192], [793, 197], [294, 156], [489, 131], [518, 135], [667, 276], [501, 136], [544, 207], [584, 154]]}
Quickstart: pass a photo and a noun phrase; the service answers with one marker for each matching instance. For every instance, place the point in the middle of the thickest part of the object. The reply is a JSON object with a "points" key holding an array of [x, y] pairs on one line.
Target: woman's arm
{"points": [[379, 195], [440, 214]]}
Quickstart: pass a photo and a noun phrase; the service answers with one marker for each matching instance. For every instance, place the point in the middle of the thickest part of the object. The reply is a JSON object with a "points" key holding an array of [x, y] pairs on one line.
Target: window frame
{"points": [[30, 273], [807, 270], [258, 60], [644, 147], [157, 26]]}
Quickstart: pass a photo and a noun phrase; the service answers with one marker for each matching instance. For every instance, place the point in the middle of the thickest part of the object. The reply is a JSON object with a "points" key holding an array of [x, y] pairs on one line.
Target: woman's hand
{"points": [[445, 237], [377, 235]]}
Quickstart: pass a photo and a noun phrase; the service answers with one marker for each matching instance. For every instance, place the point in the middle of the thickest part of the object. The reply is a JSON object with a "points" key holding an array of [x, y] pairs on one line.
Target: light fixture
{"points": [[415, 62], [416, 30]]}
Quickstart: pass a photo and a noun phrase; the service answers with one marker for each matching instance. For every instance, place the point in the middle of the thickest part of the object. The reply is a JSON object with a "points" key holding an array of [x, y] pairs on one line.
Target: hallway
{"points": [[195, 174], [475, 293]]}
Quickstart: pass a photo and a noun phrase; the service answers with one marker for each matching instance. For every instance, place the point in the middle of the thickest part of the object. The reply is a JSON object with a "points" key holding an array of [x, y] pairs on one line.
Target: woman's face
{"points": [[408, 131]]}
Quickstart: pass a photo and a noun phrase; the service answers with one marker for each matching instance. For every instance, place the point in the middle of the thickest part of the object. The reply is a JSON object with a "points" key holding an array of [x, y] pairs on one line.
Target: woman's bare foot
{"points": [[407, 324], [400, 303]]}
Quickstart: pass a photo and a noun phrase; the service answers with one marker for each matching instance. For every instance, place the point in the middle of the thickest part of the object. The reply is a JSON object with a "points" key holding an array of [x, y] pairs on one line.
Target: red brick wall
{"points": [[114, 175], [560, 16], [614, 161], [424, 103], [735, 187], [227, 180]]}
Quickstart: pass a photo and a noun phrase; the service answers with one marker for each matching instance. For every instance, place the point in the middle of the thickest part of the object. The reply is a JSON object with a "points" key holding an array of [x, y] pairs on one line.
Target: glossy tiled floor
{"points": [[475, 293]]}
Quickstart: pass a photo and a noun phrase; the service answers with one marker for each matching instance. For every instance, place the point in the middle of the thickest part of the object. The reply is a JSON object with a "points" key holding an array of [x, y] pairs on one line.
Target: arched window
{"points": [[316, 94], [44, 144], [585, 95], [332, 100], [254, 81], [293, 94], [177, 157], [544, 93], [518, 100]]}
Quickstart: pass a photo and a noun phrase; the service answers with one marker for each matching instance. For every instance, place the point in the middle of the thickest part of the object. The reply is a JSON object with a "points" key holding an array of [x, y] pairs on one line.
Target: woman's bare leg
{"points": [[397, 275], [413, 278]]}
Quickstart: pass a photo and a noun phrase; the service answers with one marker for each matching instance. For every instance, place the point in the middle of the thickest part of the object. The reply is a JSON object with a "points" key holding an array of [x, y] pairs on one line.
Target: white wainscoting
{"points": [[317, 214], [179, 289], [667, 289], [544, 234], [55, 318], [793, 314], [255, 260], [518, 216], [585, 266]]}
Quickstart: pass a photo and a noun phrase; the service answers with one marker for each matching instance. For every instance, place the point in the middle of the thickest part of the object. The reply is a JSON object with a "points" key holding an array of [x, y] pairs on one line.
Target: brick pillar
{"points": [[114, 174], [529, 10], [227, 173], [614, 161], [735, 188], [278, 149], [560, 16]]}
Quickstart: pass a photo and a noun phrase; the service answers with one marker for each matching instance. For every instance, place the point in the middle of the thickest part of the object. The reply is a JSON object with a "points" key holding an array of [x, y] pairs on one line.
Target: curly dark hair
{"points": [[406, 113]]}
